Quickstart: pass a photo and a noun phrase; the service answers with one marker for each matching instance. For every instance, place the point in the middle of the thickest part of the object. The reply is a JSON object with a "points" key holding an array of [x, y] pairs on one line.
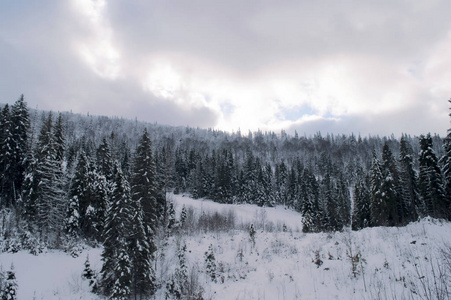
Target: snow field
{"points": [[51, 275], [393, 263]]}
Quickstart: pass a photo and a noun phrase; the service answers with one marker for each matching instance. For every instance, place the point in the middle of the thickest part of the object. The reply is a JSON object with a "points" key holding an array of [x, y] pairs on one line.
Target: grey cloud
{"points": [[411, 120], [249, 34]]}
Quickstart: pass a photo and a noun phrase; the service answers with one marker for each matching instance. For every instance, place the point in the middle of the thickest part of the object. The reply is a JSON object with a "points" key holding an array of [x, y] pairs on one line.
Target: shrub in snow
{"points": [[31, 243], [317, 261], [90, 275], [210, 264], [252, 233]]}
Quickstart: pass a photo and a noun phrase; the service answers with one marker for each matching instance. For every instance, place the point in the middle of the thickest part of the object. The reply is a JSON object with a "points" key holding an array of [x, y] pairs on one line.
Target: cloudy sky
{"points": [[369, 67]]}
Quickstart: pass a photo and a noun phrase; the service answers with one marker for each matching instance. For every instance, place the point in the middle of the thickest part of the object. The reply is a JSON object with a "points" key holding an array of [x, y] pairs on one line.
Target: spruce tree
{"points": [[431, 187], [141, 255], [446, 160], [144, 185], [6, 158], [105, 160], [361, 215], [59, 138], [91, 190], [118, 229], [390, 190], [177, 286], [20, 121], [408, 182], [10, 290], [89, 274], [378, 209], [210, 264], [45, 194], [72, 223], [122, 274]]}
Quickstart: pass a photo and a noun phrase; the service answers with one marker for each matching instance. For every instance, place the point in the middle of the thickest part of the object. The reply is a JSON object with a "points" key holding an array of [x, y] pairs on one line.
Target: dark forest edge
{"points": [[71, 179]]}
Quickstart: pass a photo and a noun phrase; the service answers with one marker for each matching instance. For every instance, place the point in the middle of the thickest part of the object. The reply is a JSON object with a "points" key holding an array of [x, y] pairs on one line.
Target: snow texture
{"points": [[373, 263]]}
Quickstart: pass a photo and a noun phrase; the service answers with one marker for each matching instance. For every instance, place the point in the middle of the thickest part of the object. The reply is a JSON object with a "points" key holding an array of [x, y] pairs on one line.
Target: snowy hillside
{"points": [[284, 263]]}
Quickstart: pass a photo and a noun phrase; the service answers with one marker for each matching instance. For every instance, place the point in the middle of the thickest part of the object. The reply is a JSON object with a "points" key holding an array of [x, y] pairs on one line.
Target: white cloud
{"points": [[97, 48]]}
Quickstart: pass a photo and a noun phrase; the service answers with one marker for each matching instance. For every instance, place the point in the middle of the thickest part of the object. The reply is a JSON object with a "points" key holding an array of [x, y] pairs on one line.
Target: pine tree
{"points": [[183, 216], [122, 274], [105, 160], [144, 185], [178, 284], [45, 195], [72, 223], [20, 121], [430, 181], [91, 190], [172, 221], [331, 221], [446, 160], [390, 188], [141, 255], [118, 229], [146, 211], [312, 211], [6, 158], [59, 138], [10, 290], [408, 182], [378, 212], [210, 264], [361, 216], [90, 275]]}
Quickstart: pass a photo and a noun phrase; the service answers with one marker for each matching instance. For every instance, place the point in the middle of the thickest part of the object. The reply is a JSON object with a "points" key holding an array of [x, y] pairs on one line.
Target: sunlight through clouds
{"points": [[269, 67], [97, 49]]}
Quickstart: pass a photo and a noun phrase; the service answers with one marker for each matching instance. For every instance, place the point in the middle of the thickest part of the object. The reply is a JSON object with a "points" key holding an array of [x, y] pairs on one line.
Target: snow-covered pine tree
{"points": [[122, 274], [331, 221], [390, 188], [59, 138], [446, 160], [177, 286], [361, 215], [6, 158], [183, 216], [210, 264], [118, 228], [20, 120], [378, 215], [144, 185], [48, 177], [281, 178], [72, 222], [312, 211], [89, 274], [11, 286], [430, 181], [344, 203], [249, 179], [105, 160], [141, 255], [172, 221], [408, 182]]}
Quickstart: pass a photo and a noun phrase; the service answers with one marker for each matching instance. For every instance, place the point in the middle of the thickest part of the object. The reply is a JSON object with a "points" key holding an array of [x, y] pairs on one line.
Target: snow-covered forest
{"points": [[287, 216]]}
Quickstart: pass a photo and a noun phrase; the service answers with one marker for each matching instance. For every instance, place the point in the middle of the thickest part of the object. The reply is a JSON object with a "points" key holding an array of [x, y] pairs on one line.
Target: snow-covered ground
{"points": [[394, 263], [51, 275], [244, 213]]}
